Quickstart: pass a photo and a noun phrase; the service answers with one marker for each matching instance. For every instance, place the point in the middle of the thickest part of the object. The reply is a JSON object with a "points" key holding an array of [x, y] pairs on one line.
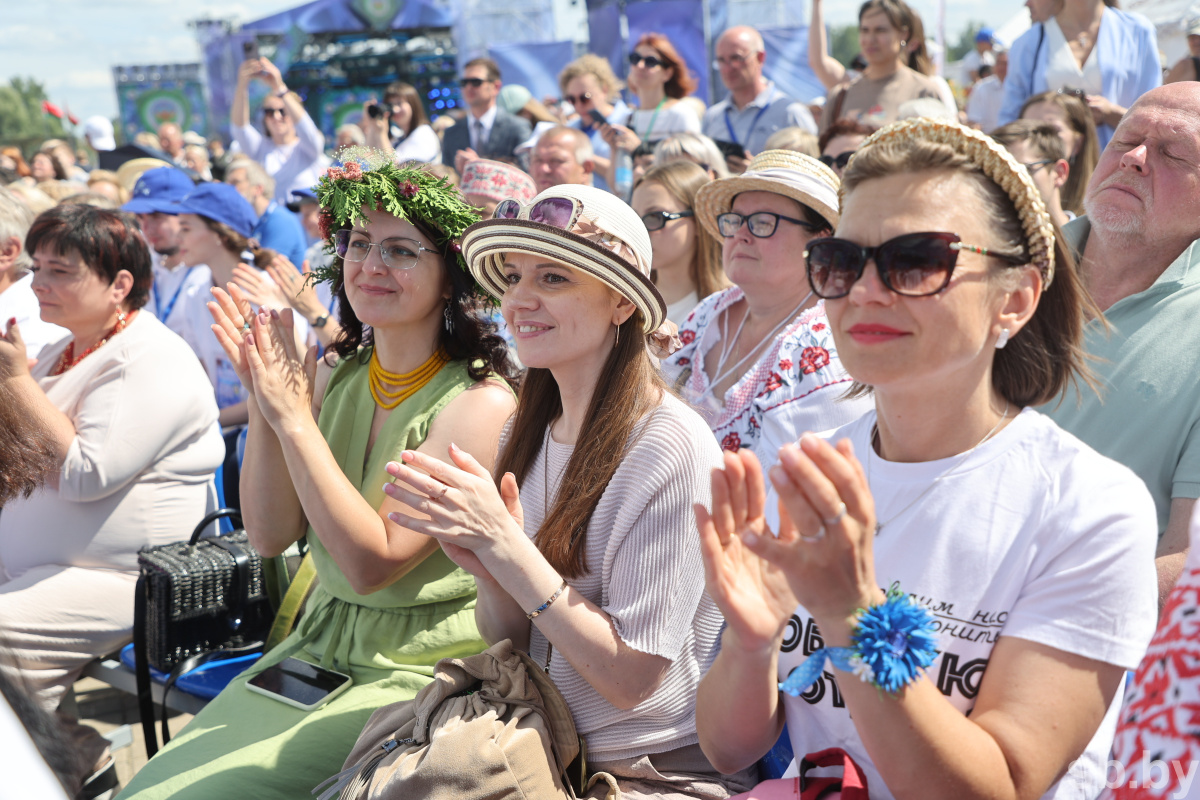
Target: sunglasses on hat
{"points": [[913, 265], [650, 62], [557, 212]]}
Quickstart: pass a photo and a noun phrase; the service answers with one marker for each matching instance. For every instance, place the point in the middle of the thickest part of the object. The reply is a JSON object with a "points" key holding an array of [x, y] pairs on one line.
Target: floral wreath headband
{"points": [[365, 177], [996, 163]]}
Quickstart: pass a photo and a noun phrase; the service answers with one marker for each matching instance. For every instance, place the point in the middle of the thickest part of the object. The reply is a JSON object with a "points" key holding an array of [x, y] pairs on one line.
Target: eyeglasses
{"points": [[576, 101], [735, 60], [657, 220], [1078, 94], [762, 224], [839, 161], [913, 265], [474, 83], [557, 212], [1034, 166], [397, 252], [278, 111], [650, 62]]}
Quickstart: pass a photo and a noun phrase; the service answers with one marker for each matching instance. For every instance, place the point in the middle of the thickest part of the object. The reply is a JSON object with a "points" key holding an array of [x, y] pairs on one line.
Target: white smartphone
{"points": [[299, 683]]}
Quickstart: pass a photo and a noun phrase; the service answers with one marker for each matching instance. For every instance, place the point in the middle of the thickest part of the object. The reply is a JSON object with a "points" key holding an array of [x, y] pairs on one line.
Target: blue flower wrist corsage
{"points": [[893, 642]]}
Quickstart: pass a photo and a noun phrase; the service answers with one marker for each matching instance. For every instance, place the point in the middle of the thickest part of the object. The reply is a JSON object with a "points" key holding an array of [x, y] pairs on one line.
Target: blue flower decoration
{"points": [[896, 641]]}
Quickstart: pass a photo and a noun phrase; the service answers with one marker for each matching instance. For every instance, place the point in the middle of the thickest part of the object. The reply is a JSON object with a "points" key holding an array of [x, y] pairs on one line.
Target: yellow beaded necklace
{"points": [[405, 384]]}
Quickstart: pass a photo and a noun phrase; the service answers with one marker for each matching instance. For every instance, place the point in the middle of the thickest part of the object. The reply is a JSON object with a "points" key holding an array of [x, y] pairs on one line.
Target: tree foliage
{"points": [[22, 120], [843, 42], [965, 43]]}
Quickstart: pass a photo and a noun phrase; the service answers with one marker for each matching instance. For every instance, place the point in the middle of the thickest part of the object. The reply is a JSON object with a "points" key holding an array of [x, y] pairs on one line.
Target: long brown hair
{"points": [[681, 83], [406, 92], [1083, 164], [628, 387], [683, 179], [237, 244], [1047, 355]]}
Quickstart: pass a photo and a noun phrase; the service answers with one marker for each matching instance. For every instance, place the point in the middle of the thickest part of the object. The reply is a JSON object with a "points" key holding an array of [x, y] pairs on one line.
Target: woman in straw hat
{"points": [[758, 361], [594, 564], [1018, 564], [416, 369]]}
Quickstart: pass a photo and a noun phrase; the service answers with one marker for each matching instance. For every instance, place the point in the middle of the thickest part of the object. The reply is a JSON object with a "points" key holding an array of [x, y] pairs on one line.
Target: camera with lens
{"points": [[376, 111]]}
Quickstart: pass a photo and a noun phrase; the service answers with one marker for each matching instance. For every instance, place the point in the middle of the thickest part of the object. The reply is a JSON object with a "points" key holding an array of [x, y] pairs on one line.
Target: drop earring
{"points": [[1002, 339], [617, 340], [448, 322]]}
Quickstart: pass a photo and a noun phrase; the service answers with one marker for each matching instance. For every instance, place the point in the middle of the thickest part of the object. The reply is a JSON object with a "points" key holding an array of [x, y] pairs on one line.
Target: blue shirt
{"points": [[279, 229]]}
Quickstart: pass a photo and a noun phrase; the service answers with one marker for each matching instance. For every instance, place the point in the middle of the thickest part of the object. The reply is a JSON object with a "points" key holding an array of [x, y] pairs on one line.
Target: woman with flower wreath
{"points": [[758, 361], [416, 370], [1018, 563]]}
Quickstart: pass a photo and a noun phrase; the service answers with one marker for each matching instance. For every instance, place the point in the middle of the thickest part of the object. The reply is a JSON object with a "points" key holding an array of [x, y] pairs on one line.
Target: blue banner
{"points": [[340, 16], [681, 21], [787, 63], [533, 65]]}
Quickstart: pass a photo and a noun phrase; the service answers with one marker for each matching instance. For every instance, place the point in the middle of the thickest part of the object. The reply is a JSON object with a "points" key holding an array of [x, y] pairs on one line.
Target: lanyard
{"points": [[653, 118], [729, 125], [162, 315]]}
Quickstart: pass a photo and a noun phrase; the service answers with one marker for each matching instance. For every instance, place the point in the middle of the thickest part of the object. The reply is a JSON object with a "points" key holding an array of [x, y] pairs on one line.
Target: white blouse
{"points": [[140, 469], [1063, 71]]}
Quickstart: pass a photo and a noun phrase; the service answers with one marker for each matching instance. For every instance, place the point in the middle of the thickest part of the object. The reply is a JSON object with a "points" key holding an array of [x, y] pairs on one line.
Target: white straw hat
{"points": [[609, 241], [791, 174]]}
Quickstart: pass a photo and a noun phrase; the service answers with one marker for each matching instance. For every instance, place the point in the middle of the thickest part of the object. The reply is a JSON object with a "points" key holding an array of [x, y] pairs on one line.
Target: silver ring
{"points": [[820, 535], [246, 327], [838, 516], [439, 497]]}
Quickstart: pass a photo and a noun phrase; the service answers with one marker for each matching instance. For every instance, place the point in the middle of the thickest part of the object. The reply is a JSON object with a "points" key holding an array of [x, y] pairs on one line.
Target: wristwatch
{"points": [[320, 321]]}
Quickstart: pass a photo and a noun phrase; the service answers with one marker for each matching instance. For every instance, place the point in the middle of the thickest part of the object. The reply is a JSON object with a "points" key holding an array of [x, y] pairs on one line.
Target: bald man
{"points": [[1140, 242], [754, 108]]}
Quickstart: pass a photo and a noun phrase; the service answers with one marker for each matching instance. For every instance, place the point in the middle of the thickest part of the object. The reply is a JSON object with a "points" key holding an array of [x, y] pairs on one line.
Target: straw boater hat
{"points": [[609, 241], [791, 174]]}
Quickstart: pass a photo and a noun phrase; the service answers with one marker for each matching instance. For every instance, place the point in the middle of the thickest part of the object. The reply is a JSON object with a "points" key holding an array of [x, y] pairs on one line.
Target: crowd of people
{"points": [[869, 422]]}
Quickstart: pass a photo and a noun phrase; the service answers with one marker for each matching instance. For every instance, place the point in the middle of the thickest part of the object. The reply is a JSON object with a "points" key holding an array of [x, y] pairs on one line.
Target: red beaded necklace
{"points": [[68, 359]]}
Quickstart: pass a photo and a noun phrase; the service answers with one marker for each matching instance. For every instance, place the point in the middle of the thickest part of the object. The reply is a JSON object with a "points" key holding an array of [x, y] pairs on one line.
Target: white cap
{"points": [[99, 133]]}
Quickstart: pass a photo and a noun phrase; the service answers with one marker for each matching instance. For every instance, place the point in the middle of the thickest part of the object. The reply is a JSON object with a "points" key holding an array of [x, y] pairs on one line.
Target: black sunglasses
{"points": [[275, 112], [914, 265], [474, 83], [657, 220], [575, 101], [649, 61], [762, 224], [839, 161]]}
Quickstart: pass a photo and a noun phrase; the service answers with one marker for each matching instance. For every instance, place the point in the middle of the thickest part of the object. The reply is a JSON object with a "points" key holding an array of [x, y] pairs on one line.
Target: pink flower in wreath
{"points": [[353, 170], [336, 173], [812, 359], [731, 442], [687, 337]]}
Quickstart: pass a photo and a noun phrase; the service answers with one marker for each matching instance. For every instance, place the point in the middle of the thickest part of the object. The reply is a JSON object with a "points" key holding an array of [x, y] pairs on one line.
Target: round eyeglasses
{"points": [[762, 224], [657, 220], [397, 252]]}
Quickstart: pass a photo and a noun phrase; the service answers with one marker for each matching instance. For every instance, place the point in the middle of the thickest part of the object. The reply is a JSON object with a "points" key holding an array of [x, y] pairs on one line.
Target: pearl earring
{"points": [[1002, 339]]}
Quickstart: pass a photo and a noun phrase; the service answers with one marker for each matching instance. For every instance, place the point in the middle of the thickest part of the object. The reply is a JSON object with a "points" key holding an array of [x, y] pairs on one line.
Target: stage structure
{"points": [[148, 96]]}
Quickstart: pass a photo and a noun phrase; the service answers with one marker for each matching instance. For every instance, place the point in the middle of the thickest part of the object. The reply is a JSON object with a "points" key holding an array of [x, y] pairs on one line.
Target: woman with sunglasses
{"points": [[417, 369], [839, 141], [758, 361], [1018, 564], [660, 78], [292, 147], [687, 258], [593, 564]]}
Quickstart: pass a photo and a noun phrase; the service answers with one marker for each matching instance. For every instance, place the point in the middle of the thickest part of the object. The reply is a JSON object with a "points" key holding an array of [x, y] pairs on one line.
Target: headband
{"points": [[996, 163]]}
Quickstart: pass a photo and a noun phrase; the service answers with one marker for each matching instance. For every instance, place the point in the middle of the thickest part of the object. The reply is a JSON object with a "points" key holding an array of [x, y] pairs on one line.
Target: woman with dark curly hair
{"points": [[415, 369]]}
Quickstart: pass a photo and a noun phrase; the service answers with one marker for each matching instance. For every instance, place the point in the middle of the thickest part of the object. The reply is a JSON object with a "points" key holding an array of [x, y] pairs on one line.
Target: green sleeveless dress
{"points": [[244, 744]]}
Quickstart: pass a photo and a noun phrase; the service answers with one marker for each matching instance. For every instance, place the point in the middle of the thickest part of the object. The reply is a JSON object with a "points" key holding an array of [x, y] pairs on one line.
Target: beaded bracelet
{"points": [[546, 604], [892, 643]]}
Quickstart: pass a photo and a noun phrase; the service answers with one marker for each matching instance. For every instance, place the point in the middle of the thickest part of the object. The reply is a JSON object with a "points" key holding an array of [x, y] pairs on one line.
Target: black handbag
{"points": [[196, 601]]}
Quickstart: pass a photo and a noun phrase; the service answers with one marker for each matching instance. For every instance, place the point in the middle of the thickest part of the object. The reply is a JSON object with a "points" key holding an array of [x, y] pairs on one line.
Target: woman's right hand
{"points": [[232, 314], [753, 595], [618, 136], [250, 69], [14, 359], [295, 287]]}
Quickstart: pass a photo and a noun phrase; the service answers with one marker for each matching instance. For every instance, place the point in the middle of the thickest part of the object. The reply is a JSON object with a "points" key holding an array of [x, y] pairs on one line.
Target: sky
{"points": [[72, 45]]}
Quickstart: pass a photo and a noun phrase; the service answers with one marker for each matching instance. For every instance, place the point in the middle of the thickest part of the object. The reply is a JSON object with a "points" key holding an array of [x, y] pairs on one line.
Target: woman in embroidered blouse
{"points": [[1090, 47], [607, 461], [758, 361]]}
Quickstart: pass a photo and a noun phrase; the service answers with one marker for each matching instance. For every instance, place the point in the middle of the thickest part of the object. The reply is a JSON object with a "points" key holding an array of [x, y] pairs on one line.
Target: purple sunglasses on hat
{"points": [[557, 212]]}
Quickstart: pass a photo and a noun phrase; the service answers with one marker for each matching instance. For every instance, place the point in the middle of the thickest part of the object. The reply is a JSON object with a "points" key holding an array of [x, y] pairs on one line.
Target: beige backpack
{"points": [[488, 727]]}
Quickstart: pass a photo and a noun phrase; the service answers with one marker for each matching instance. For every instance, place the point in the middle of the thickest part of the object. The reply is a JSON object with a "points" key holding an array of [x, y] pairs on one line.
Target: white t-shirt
{"points": [[671, 118], [20, 302], [1034, 535], [422, 144], [983, 106]]}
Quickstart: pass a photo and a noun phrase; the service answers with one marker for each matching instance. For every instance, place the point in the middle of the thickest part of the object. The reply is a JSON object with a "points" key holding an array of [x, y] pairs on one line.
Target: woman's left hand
{"points": [[283, 381], [824, 494], [465, 509], [14, 358], [1104, 111]]}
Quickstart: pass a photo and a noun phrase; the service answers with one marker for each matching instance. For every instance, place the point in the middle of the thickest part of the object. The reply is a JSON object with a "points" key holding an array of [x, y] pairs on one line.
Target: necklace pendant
{"points": [[878, 528]]}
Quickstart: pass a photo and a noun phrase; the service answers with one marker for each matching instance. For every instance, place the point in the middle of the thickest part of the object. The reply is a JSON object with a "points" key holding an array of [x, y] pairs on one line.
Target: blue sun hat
{"points": [[158, 190], [222, 203]]}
